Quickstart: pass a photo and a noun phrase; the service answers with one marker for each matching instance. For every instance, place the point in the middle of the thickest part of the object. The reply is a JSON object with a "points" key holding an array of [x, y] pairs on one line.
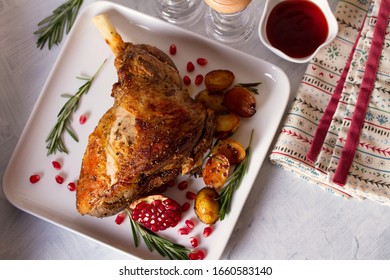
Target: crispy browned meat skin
{"points": [[154, 132]]}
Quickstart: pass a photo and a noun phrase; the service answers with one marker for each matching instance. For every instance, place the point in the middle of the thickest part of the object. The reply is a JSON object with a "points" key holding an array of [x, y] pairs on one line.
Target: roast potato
{"points": [[212, 101], [226, 125], [218, 80], [240, 101], [207, 205], [230, 148], [216, 171]]}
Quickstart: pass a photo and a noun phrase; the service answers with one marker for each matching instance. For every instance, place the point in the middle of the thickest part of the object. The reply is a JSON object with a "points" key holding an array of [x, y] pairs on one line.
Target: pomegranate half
{"points": [[156, 212]]}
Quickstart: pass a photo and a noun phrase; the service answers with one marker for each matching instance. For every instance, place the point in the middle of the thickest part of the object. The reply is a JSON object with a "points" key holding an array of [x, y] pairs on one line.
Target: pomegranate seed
{"points": [[120, 218], [72, 186], [82, 119], [190, 195], [201, 254], [172, 49], [190, 224], [197, 255], [185, 206], [59, 179], [184, 231], [201, 61], [186, 80], [193, 256], [207, 231], [56, 165], [182, 185], [35, 178], [156, 202], [154, 228], [190, 66], [194, 241], [170, 204], [198, 79]]}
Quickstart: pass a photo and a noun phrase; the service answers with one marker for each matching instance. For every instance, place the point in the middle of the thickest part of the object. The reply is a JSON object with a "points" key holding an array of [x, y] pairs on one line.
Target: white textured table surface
{"points": [[284, 217]]}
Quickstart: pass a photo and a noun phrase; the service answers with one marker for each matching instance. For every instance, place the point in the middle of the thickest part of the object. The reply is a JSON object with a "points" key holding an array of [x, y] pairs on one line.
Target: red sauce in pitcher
{"points": [[297, 27]]}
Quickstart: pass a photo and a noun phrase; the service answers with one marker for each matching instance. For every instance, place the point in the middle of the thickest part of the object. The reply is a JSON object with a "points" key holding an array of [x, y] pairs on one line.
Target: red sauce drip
{"points": [[297, 27]]}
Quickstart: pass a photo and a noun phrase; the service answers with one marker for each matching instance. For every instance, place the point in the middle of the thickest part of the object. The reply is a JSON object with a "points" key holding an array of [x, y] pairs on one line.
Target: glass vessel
{"points": [[179, 11], [230, 21]]}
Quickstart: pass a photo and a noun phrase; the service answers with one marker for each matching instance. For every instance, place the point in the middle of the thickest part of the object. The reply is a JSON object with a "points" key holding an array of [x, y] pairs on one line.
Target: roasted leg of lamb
{"points": [[153, 132]]}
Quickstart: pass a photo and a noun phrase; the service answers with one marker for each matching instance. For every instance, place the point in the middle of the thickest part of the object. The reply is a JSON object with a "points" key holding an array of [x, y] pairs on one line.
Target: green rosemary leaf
{"points": [[82, 78], [60, 32], [161, 250], [72, 17], [133, 230], [250, 86], [163, 246], [51, 29], [43, 22], [72, 134], [54, 139], [234, 182], [66, 95]]}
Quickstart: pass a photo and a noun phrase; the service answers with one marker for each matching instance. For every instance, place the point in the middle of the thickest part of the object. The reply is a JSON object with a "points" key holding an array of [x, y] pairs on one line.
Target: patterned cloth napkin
{"points": [[353, 158]]}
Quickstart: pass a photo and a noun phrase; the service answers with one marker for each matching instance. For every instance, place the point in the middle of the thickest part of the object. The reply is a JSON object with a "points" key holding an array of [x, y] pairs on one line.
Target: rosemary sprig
{"points": [[233, 183], [164, 247], [54, 139], [250, 86], [51, 29]]}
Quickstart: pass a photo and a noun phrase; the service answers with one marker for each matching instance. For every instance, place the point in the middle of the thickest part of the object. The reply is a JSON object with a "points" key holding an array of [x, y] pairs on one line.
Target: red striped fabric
{"points": [[326, 119], [364, 94]]}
